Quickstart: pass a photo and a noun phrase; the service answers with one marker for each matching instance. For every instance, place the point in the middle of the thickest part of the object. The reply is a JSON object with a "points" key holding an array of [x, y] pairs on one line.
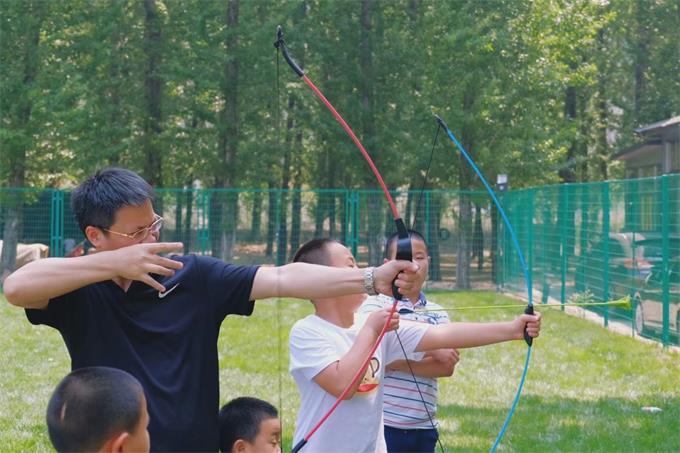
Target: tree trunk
{"points": [[256, 221], [602, 146], [433, 243], [465, 205], [641, 57], [367, 92], [228, 141], [153, 88], [271, 219], [189, 194], [494, 244], [282, 238], [296, 220], [478, 238], [464, 235], [567, 172], [14, 214]]}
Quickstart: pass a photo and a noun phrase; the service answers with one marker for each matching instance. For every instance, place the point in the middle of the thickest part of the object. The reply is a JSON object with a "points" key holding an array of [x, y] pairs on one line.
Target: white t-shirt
{"points": [[403, 406], [357, 424]]}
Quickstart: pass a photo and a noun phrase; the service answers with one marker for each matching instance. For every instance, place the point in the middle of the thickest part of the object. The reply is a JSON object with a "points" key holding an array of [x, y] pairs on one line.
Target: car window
{"points": [[615, 249], [653, 251]]}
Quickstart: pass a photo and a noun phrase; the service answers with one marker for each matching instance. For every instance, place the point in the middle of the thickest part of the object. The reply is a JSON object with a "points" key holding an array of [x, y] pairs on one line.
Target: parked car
{"points": [[627, 262], [649, 300]]}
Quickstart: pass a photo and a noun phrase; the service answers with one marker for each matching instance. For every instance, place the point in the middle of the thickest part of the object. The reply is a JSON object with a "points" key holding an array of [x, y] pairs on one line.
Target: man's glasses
{"points": [[143, 233]]}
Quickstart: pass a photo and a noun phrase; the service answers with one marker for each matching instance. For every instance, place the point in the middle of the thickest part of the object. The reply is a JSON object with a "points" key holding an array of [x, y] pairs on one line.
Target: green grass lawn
{"points": [[585, 389]]}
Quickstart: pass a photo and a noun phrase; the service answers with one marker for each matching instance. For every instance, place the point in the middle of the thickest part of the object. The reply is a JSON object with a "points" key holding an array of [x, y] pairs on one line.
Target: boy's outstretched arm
{"points": [[311, 281], [335, 377], [470, 335]]}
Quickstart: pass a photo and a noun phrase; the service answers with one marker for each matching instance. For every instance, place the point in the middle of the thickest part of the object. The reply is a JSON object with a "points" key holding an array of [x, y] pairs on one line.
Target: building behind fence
{"points": [[592, 241]]}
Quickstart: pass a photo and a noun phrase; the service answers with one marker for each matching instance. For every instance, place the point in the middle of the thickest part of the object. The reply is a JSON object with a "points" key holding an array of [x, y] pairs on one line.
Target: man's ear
{"points": [[239, 446], [94, 235], [115, 444]]}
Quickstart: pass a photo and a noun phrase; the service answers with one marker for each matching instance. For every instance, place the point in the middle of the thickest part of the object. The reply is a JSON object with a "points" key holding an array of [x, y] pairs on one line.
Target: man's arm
{"points": [[335, 377], [470, 335], [439, 363], [33, 285], [310, 281]]}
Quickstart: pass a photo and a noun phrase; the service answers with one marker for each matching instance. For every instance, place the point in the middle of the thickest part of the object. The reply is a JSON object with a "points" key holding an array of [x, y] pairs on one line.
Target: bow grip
{"points": [[404, 251], [528, 311]]}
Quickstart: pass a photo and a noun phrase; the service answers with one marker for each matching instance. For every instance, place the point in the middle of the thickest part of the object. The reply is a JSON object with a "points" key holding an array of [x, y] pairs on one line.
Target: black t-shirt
{"points": [[167, 341]]}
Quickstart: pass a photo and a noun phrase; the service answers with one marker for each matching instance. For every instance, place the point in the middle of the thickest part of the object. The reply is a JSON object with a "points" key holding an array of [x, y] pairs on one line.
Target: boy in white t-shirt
{"points": [[328, 347]]}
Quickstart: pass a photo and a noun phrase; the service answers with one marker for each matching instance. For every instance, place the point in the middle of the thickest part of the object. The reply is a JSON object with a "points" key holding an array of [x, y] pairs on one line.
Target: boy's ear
{"points": [[385, 260], [115, 444], [239, 446]]}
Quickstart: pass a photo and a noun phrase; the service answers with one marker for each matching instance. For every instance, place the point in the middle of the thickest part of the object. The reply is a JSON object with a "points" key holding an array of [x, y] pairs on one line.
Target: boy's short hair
{"points": [[90, 405], [314, 252], [392, 240], [96, 201], [241, 418]]}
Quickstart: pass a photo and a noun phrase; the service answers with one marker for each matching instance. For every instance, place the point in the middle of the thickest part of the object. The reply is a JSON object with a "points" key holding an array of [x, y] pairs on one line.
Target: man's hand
{"points": [[377, 319], [404, 271], [532, 324], [136, 262]]}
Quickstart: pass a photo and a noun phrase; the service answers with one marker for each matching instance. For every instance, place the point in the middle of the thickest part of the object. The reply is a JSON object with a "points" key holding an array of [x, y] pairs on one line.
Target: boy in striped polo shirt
{"points": [[408, 408]]}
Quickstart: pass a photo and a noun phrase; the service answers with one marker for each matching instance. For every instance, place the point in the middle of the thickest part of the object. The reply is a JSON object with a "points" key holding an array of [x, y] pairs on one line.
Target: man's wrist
{"points": [[369, 281]]}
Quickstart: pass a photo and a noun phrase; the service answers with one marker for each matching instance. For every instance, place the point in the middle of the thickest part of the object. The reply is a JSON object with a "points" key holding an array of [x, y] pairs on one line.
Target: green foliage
{"points": [[498, 71]]}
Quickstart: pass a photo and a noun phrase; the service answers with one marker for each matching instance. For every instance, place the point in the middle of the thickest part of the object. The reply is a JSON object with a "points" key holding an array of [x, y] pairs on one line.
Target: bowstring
{"points": [[401, 345], [279, 349]]}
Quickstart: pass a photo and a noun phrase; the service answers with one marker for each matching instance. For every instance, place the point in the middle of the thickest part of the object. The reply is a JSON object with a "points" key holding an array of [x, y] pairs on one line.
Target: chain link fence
{"points": [[593, 241]]}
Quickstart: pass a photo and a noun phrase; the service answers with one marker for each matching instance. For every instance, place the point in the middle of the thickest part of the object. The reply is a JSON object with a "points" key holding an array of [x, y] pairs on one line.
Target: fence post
{"points": [[665, 232], [353, 219], [203, 219], [545, 266], [426, 225], [277, 228], [564, 208], [605, 242], [57, 223], [530, 247]]}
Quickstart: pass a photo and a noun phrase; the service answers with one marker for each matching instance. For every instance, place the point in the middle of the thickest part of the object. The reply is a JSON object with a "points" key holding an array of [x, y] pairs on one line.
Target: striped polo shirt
{"points": [[402, 404]]}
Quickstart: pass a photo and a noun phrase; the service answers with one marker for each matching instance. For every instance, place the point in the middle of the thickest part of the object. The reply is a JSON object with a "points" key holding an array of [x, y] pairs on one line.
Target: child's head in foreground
{"points": [[329, 252], [249, 425], [98, 409]]}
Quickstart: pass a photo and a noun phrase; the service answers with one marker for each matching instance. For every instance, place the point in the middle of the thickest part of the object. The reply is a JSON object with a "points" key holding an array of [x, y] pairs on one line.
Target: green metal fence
{"points": [[599, 242], [595, 241]]}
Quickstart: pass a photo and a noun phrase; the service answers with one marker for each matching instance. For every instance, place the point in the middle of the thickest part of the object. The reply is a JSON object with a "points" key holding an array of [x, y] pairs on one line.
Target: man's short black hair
{"points": [[96, 201], [241, 418], [90, 405], [314, 252], [392, 240]]}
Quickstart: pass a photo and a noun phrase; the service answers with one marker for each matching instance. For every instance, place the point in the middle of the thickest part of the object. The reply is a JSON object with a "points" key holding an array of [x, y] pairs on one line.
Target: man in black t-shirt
{"points": [[158, 318]]}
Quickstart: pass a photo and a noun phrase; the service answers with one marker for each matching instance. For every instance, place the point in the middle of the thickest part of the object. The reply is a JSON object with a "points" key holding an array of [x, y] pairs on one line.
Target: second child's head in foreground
{"points": [[98, 409], [249, 425]]}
